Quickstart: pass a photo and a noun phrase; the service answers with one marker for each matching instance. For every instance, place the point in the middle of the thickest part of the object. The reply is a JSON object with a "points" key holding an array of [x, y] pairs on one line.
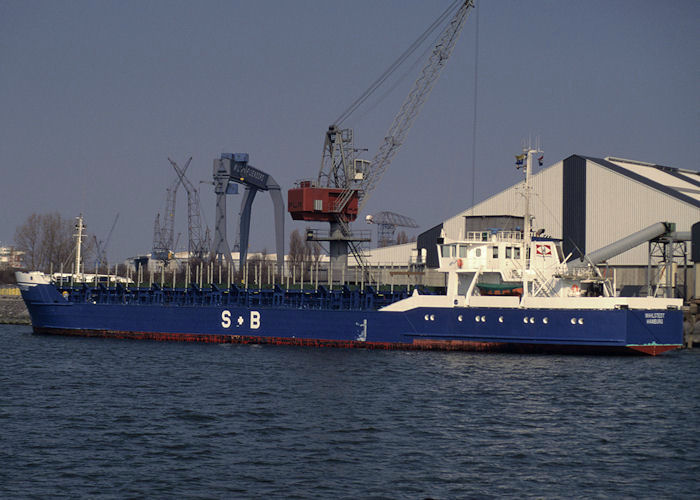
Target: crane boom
{"points": [[414, 101], [198, 246], [344, 181], [391, 218], [169, 226]]}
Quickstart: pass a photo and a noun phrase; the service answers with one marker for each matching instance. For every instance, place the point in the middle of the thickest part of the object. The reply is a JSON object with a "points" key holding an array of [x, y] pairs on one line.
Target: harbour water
{"points": [[100, 418]]}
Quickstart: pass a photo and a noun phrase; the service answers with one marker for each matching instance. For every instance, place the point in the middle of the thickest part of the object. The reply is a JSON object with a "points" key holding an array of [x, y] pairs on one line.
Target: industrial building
{"points": [[11, 258], [586, 202], [589, 203]]}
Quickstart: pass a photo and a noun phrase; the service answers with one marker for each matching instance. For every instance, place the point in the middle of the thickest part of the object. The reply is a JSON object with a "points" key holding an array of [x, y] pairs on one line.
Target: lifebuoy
{"points": [[459, 263], [574, 288]]}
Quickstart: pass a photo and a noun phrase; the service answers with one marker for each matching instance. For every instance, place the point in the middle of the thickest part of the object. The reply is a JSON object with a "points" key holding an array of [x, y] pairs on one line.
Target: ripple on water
{"points": [[96, 418]]}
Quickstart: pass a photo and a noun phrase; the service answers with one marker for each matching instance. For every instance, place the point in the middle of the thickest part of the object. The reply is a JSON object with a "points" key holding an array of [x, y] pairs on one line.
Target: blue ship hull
{"points": [[319, 319]]}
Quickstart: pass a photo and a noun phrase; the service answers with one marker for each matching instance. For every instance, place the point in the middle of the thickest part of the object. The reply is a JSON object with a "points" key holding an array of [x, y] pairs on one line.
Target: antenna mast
{"points": [[79, 227]]}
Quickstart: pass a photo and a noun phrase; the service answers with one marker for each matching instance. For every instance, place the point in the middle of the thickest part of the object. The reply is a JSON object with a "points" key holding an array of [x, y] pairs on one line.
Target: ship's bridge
{"points": [[484, 236], [502, 252]]}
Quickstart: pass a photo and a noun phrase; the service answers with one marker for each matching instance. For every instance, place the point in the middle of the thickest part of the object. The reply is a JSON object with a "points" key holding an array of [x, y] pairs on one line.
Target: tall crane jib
{"points": [[410, 108], [198, 244], [163, 233], [345, 182]]}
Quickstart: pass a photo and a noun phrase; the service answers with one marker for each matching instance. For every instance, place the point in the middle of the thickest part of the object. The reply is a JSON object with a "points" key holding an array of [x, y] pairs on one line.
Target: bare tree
{"points": [[401, 238], [47, 242], [28, 240], [297, 249]]}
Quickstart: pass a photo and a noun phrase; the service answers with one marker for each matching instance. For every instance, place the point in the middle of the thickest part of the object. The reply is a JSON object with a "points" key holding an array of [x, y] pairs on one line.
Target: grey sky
{"points": [[95, 95]]}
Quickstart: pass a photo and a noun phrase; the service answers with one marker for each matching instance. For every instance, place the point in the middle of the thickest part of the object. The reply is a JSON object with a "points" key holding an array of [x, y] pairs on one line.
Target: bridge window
{"points": [[449, 251], [516, 252], [509, 252], [462, 251], [495, 252]]}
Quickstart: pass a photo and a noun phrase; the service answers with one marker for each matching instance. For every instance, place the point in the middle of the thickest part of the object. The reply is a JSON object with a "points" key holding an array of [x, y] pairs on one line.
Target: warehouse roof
{"points": [[681, 184]]}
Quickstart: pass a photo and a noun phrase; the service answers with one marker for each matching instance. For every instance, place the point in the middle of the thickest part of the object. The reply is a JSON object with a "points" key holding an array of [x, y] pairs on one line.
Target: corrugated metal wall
{"points": [[395, 254], [617, 206], [546, 204], [590, 206]]}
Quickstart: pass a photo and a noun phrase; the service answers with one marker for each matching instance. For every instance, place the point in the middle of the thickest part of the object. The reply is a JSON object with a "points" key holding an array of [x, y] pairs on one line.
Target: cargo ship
{"points": [[506, 291]]}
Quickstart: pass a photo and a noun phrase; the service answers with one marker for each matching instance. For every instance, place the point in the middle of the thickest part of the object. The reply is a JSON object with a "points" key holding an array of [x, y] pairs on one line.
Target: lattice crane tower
{"points": [[345, 182]]}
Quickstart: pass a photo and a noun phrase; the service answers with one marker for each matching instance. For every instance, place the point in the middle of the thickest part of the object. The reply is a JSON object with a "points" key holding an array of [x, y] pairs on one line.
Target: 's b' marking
{"points": [[226, 319], [254, 320]]}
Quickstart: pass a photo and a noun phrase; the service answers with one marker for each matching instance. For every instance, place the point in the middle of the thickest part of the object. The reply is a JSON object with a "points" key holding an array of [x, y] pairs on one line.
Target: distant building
{"points": [[11, 258]]}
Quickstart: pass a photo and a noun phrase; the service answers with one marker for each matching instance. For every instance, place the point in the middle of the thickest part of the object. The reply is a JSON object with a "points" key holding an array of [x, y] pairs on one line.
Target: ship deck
{"points": [[345, 298]]}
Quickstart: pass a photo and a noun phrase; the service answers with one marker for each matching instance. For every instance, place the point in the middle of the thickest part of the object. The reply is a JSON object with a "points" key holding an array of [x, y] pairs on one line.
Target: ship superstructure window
{"points": [[495, 252], [509, 252], [477, 252], [516, 252], [449, 251], [462, 251]]}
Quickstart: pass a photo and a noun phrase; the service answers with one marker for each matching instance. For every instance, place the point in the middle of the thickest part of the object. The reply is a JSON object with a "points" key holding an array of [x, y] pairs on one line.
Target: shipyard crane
{"points": [[163, 245], [101, 246], [345, 182], [229, 171], [387, 222], [198, 245]]}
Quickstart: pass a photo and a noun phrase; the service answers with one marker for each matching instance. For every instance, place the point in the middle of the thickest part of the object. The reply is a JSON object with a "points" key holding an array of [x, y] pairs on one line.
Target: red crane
{"points": [[345, 182]]}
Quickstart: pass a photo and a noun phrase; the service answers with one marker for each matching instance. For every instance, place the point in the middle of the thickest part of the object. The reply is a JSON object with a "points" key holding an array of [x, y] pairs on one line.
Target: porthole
{"points": [[477, 319], [580, 321], [573, 321], [524, 320], [459, 318], [432, 317], [500, 319], [532, 321], [483, 319], [545, 320], [427, 317]]}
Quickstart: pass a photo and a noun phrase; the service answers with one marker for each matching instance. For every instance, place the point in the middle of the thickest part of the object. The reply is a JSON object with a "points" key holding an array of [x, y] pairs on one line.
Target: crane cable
{"points": [[393, 67], [476, 101]]}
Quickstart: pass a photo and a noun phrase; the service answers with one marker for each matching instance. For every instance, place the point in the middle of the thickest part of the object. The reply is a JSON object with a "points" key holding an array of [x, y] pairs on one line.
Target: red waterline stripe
{"points": [[654, 349], [418, 344]]}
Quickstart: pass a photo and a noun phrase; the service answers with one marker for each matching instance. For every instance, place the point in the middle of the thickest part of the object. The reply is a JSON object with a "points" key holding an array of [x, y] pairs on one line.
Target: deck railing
{"points": [[317, 298]]}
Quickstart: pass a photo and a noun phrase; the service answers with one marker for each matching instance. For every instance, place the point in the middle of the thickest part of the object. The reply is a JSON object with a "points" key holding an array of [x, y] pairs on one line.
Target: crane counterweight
{"points": [[312, 203]]}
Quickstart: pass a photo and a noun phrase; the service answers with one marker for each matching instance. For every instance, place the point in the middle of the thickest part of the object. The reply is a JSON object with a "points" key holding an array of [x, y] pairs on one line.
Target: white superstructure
{"points": [[514, 269]]}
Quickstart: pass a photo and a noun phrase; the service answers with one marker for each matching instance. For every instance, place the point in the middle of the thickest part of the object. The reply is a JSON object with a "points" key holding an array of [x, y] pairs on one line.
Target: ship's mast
{"points": [[79, 227], [527, 226], [527, 229]]}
